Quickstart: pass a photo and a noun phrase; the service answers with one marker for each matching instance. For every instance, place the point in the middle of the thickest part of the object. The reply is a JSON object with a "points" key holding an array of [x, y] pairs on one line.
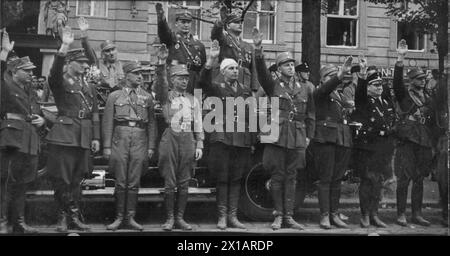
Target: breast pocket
{"points": [[11, 133], [122, 108], [142, 109]]}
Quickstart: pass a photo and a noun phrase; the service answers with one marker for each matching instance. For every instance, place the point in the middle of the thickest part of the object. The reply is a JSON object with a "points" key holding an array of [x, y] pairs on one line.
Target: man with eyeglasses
{"points": [[374, 142], [415, 139]]}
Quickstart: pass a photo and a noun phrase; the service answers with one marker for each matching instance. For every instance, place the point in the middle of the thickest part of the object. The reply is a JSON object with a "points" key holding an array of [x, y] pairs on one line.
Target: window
{"points": [[261, 15], [192, 6], [342, 23], [416, 41], [94, 8]]}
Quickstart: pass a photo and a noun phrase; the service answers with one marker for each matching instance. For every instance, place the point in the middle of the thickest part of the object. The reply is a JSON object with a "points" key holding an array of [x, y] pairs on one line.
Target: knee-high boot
{"points": [[364, 202], [277, 198], [402, 196], [235, 189], [289, 203], [61, 200], [169, 201], [222, 202], [182, 197], [18, 215], [131, 205], [335, 195], [416, 203], [74, 209], [324, 204], [4, 205], [120, 210]]}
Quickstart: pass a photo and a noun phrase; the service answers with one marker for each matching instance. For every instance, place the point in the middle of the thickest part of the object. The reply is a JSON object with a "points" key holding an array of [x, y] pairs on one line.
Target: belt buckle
{"points": [[81, 114], [240, 62], [132, 123], [184, 126], [291, 116]]}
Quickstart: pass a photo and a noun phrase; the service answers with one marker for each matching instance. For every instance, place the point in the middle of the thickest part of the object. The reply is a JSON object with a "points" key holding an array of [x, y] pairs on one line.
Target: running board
{"points": [[145, 195]]}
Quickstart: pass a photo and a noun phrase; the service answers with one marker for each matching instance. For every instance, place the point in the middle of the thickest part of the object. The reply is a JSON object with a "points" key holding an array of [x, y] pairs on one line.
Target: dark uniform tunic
{"points": [[239, 50], [183, 50], [375, 145], [284, 154], [331, 144], [76, 126], [229, 152], [182, 113], [414, 149], [19, 140], [129, 129]]}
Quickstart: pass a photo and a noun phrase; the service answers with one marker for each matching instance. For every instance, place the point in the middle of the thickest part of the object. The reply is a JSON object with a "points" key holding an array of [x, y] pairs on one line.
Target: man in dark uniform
{"points": [[110, 68], [230, 151], [284, 155], [182, 142], [19, 143], [374, 142], [414, 149], [183, 47], [332, 142], [228, 32], [75, 132], [129, 136]]}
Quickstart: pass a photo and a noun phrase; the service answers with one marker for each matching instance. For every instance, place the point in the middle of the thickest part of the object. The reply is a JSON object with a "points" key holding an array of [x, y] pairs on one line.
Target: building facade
{"points": [[349, 27]]}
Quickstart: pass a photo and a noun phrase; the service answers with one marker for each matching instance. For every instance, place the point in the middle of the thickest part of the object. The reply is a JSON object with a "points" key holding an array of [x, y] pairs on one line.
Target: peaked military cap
{"points": [[233, 18], [21, 63], [374, 78], [179, 70], [76, 55], [131, 66], [107, 44], [283, 58], [327, 70], [416, 73], [302, 67], [183, 15]]}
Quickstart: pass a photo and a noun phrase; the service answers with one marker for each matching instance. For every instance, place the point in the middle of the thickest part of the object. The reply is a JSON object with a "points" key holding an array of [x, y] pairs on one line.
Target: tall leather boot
{"points": [[18, 217], [277, 198], [61, 200], [4, 205], [221, 198], [374, 204], [76, 218], [235, 188], [120, 210], [182, 197], [289, 203], [131, 210], [364, 203], [169, 201], [416, 203], [402, 196], [335, 195], [324, 205]]}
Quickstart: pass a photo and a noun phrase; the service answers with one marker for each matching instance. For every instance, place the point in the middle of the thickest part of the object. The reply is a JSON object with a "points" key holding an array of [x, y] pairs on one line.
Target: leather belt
{"points": [[20, 117], [292, 116], [81, 114], [137, 124]]}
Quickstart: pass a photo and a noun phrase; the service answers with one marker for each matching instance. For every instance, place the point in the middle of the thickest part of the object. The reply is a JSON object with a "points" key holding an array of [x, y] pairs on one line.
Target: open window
{"points": [[342, 23], [92, 8]]}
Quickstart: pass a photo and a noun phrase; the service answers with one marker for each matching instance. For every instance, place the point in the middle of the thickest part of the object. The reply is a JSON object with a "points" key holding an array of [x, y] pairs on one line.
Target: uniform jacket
{"points": [[20, 134], [297, 109], [331, 118], [415, 121], [377, 116], [119, 108], [111, 75], [72, 97], [223, 90], [239, 50], [182, 117]]}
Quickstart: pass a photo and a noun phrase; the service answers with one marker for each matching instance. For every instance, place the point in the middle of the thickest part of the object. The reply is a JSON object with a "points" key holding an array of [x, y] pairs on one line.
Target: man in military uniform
{"points": [[182, 142], [183, 47], [111, 71], [230, 151], [228, 32], [414, 148], [374, 142], [129, 136], [19, 143], [285, 155], [75, 132], [332, 142]]}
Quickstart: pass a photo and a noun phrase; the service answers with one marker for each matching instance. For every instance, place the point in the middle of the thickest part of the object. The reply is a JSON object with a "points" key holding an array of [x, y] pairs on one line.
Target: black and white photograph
{"points": [[245, 120]]}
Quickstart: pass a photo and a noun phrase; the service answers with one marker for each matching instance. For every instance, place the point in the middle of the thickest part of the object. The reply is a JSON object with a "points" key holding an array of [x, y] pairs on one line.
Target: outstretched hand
{"points": [[257, 37], [347, 64], [83, 24], [163, 53], [67, 35], [215, 50], [7, 45], [159, 9]]}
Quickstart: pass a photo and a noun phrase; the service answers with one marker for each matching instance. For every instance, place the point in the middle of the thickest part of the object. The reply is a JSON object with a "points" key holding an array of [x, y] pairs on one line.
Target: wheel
{"points": [[256, 201]]}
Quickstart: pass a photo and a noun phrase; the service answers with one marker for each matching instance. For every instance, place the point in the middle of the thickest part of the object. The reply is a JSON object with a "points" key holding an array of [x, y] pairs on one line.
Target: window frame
{"points": [[91, 10], [425, 41], [258, 10], [356, 17], [189, 7]]}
